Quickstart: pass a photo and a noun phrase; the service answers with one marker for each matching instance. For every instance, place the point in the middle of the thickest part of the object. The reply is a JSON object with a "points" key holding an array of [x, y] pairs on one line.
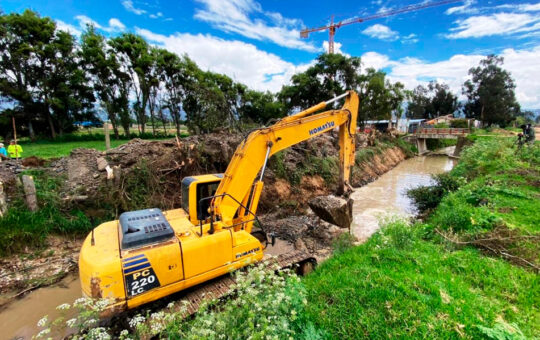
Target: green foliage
{"points": [[21, 228], [459, 123], [398, 285], [503, 331], [434, 101], [342, 243], [380, 98], [331, 75], [41, 75], [490, 93]]}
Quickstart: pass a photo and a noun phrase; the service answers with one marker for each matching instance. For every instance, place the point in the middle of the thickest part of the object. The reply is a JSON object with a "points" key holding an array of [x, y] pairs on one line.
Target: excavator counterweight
{"points": [[149, 254]]}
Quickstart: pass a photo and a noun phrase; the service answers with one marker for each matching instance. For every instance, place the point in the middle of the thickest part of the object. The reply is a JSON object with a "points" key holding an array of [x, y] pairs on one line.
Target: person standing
{"points": [[14, 150], [3, 152], [530, 136]]}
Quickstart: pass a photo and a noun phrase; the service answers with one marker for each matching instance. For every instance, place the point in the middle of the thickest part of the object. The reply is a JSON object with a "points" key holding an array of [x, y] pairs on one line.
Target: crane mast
{"points": [[332, 27]]}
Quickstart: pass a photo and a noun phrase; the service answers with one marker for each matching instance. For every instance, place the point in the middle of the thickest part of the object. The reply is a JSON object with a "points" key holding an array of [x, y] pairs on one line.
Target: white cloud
{"points": [[522, 64], [68, 28], [382, 32], [115, 25], [337, 48], [128, 5], [239, 60], [495, 24], [233, 16], [463, 9], [522, 7], [157, 15], [410, 39]]}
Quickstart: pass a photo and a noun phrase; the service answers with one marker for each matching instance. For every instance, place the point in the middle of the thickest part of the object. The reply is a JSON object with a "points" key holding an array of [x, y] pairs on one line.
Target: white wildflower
{"points": [[64, 306], [137, 319], [42, 321], [71, 323], [43, 332]]}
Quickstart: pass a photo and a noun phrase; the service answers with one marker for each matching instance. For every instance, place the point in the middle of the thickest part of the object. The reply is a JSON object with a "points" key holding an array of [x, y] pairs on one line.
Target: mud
{"points": [[22, 273]]}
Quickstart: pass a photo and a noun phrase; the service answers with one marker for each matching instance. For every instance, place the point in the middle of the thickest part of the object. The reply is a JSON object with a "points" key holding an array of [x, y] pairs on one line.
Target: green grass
{"points": [[22, 229], [409, 282], [398, 285], [61, 149]]}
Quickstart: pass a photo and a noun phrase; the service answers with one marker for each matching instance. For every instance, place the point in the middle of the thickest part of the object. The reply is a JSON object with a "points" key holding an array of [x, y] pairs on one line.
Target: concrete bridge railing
{"points": [[425, 133]]}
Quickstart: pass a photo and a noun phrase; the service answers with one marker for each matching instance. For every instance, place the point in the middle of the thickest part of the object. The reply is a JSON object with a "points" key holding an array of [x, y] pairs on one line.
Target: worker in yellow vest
{"points": [[14, 150]]}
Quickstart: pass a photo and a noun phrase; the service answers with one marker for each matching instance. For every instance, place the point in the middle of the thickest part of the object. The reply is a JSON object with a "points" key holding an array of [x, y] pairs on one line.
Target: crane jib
{"points": [[321, 128]]}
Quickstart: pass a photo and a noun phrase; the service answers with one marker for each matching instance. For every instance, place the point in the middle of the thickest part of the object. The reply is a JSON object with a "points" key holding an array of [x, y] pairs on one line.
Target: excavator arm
{"points": [[240, 184]]}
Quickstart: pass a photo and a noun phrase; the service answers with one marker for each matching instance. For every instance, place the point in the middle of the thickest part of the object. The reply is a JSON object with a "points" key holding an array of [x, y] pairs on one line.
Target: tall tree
{"points": [[432, 101], [379, 97], [331, 75], [490, 93], [133, 52], [175, 74], [39, 71], [22, 36], [107, 76]]}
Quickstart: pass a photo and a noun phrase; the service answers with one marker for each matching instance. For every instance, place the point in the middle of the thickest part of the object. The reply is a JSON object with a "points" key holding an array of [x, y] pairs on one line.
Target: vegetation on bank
{"points": [[470, 270], [21, 229], [266, 304], [328, 166]]}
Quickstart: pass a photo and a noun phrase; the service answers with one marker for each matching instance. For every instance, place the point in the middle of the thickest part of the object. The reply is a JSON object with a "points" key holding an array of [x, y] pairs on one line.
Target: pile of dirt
{"points": [[33, 161], [305, 232]]}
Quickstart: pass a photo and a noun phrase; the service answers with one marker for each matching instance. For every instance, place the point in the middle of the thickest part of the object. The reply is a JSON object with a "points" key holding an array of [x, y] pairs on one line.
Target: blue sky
{"points": [[258, 43]]}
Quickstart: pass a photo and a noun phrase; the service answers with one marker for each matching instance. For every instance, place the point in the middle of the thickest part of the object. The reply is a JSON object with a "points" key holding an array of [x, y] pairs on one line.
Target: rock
{"points": [[333, 209], [300, 245], [101, 163]]}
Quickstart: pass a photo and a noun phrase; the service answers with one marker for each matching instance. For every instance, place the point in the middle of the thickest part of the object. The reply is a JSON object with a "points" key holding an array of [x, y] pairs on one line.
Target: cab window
{"points": [[205, 190]]}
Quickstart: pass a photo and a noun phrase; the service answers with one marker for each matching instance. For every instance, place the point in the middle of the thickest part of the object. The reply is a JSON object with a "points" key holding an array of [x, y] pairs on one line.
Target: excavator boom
{"points": [[253, 153]]}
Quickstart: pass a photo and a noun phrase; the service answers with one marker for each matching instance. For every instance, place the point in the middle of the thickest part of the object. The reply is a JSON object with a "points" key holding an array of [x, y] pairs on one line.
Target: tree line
{"points": [[49, 80]]}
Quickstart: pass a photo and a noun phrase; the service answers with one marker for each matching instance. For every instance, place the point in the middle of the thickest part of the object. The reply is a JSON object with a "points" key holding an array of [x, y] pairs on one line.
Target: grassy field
{"points": [[60, 149], [410, 282]]}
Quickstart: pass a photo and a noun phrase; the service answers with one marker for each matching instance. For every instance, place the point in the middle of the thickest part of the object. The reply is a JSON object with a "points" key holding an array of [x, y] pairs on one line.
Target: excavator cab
{"points": [[196, 195]]}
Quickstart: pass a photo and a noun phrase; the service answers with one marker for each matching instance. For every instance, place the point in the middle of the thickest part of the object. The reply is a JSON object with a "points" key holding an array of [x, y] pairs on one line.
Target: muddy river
{"points": [[387, 195], [383, 197]]}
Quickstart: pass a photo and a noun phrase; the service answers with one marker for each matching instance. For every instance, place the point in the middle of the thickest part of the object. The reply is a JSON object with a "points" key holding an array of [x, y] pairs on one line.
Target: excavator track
{"points": [[302, 262]]}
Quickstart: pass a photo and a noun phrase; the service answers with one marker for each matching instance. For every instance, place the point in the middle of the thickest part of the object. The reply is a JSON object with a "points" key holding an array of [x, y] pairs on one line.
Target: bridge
{"points": [[422, 134]]}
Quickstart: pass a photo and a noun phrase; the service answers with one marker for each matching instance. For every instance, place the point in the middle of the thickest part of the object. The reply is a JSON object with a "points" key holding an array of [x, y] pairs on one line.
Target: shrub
{"points": [[459, 123], [429, 197]]}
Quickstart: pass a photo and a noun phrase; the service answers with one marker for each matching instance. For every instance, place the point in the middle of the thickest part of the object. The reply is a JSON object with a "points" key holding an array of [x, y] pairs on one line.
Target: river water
{"points": [[385, 196]]}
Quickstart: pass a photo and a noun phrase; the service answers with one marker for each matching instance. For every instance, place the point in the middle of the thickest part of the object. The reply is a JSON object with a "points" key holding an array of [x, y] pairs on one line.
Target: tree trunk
{"points": [[31, 131], [51, 124]]}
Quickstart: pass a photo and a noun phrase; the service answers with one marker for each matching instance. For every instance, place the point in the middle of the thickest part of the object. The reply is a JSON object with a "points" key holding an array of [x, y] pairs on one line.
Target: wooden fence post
{"points": [[30, 192], [3, 204], [107, 137]]}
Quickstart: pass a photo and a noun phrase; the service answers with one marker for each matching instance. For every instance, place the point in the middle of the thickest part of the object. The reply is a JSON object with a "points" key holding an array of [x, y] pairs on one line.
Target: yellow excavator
{"points": [[149, 254]]}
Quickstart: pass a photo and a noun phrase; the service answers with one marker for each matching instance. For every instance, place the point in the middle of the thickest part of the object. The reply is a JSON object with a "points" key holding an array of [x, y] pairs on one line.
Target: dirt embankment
{"points": [[149, 173]]}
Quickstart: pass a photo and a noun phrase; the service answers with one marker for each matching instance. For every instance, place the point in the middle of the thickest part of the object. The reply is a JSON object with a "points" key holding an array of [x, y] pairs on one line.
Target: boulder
{"points": [[101, 163], [333, 209]]}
